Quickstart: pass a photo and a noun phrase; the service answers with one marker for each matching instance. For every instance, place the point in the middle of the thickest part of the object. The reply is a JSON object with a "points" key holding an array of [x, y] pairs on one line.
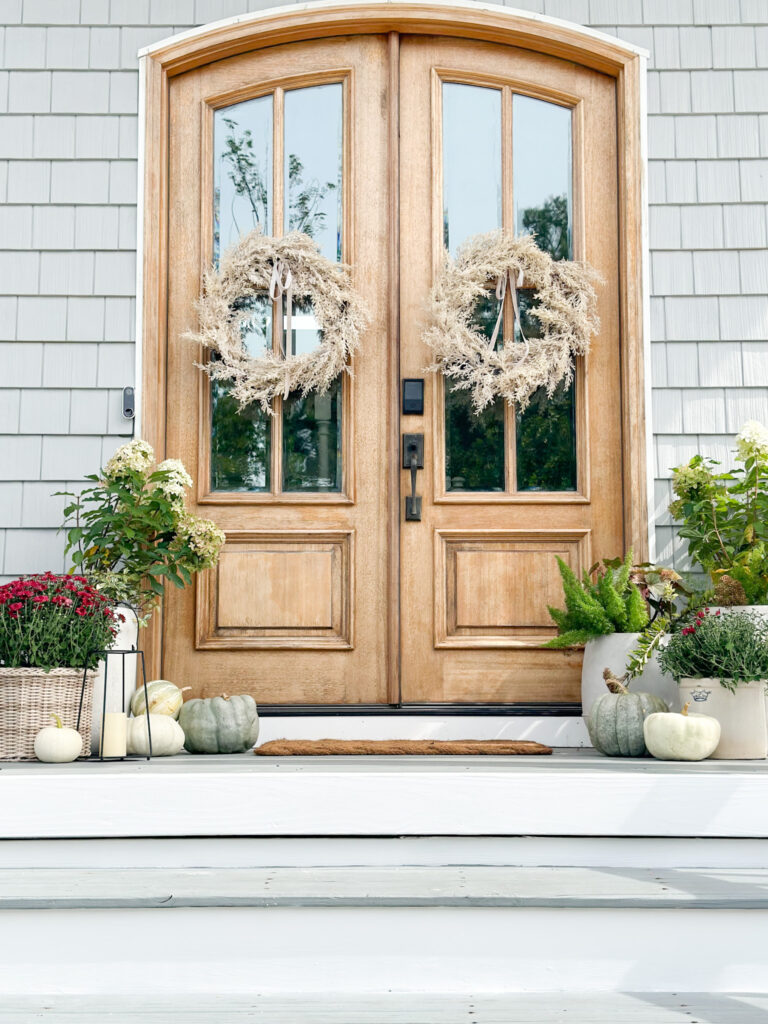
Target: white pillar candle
{"points": [[115, 732]]}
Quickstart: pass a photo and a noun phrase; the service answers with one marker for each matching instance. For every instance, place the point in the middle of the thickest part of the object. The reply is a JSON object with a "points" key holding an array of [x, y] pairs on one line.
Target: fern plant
{"points": [[605, 600]]}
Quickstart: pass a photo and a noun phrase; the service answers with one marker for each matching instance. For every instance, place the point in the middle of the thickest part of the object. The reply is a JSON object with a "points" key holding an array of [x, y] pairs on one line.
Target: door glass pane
{"points": [[305, 333], [471, 162], [242, 200], [474, 442], [242, 171], [542, 170], [546, 442], [312, 441], [240, 444], [313, 164]]}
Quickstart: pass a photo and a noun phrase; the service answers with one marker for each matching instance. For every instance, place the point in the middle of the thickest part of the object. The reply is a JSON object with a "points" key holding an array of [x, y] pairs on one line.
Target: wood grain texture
{"points": [[329, 649], [387, 105], [443, 659]]}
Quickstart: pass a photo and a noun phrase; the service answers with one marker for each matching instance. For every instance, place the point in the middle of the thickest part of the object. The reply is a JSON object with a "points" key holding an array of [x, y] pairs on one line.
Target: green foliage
{"points": [[731, 647], [549, 223], [49, 621], [612, 604], [131, 533], [648, 644], [724, 515]]}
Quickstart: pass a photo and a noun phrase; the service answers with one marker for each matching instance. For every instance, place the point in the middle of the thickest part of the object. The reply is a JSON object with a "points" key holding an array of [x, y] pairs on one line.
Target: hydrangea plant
{"points": [[131, 532], [724, 517]]}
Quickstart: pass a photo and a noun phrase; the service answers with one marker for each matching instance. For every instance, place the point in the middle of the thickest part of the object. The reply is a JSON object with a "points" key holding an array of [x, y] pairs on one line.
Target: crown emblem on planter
{"points": [[700, 693]]}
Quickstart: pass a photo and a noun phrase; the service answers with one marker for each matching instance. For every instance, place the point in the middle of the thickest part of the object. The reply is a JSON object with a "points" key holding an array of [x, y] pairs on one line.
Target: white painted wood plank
{"points": [[393, 1008], [399, 886], [574, 794], [354, 951]]}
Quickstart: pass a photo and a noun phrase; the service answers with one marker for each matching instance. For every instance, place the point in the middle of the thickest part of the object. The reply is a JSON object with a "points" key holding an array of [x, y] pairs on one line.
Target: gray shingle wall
{"points": [[68, 143]]}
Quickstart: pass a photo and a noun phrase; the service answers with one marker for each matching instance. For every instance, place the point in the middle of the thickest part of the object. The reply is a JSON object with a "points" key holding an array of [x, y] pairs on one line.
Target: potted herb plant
{"points": [[721, 664], [724, 518], [49, 628], [131, 534], [606, 611]]}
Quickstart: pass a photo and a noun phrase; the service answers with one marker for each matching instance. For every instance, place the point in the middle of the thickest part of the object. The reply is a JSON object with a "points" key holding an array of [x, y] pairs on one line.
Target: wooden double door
{"points": [[386, 149]]}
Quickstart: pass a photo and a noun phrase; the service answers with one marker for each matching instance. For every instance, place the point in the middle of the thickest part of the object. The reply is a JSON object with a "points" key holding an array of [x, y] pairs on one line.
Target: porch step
{"points": [[388, 886], [388, 1008]]}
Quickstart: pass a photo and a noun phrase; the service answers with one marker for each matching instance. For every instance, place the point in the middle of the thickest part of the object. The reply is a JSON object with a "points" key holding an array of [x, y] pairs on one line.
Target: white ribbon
{"points": [[501, 290], [281, 283]]}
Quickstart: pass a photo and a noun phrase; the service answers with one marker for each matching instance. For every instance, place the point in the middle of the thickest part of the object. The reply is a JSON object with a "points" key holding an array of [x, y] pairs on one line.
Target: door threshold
{"points": [[548, 710]]}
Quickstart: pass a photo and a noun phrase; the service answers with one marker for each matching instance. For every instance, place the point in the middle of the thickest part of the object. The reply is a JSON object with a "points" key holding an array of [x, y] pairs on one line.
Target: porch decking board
{"points": [[401, 886], [389, 1008], [571, 793]]}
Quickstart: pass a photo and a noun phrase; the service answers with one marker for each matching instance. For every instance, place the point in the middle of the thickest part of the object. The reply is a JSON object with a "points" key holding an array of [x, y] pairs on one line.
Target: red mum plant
{"points": [[49, 621]]}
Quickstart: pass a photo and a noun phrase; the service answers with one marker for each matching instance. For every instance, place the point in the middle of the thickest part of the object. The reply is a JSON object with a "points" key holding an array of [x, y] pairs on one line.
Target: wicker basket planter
{"points": [[28, 699]]}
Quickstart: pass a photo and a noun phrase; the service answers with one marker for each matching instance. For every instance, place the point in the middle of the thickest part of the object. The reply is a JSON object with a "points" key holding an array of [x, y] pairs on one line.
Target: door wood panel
{"points": [[330, 598], [276, 618], [490, 595]]}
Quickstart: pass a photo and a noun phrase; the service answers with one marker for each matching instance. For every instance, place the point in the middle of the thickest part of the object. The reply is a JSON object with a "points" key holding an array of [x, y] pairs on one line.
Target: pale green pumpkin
{"points": [[615, 723], [164, 698], [220, 725]]}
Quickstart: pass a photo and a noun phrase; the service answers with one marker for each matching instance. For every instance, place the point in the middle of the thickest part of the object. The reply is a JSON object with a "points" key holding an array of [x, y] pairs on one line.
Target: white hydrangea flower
{"points": [[203, 536], [177, 480], [752, 441], [135, 456]]}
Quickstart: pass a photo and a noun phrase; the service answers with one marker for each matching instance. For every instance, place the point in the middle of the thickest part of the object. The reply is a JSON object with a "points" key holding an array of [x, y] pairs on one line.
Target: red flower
{"points": [[16, 606], [40, 599], [122, 617], [82, 612]]}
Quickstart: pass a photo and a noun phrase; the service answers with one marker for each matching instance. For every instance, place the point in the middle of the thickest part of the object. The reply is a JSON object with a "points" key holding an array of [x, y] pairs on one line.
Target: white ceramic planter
{"points": [[127, 639], [612, 651], [743, 715]]}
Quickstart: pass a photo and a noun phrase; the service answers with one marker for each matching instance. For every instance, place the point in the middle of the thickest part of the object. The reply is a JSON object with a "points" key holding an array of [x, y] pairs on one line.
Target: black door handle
{"points": [[413, 459]]}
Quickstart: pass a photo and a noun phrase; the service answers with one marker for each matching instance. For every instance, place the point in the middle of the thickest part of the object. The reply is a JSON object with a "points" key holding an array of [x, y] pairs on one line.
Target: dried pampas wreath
{"points": [[566, 313], [292, 266]]}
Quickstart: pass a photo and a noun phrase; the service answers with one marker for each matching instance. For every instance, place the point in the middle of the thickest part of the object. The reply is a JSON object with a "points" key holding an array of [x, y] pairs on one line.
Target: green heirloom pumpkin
{"points": [[219, 725], [615, 723]]}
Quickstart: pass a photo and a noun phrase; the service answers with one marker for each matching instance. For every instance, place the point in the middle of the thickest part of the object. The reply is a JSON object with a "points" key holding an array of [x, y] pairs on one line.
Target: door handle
{"points": [[413, 460]]}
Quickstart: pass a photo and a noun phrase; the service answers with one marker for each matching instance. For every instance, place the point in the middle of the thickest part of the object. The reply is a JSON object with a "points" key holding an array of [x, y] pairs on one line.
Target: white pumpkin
{"points": [[165, 698], [56, 744], [683, 737], [166, 734]]}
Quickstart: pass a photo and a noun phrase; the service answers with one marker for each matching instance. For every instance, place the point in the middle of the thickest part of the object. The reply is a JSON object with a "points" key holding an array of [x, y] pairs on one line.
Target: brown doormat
{"points": [[313, 748]]}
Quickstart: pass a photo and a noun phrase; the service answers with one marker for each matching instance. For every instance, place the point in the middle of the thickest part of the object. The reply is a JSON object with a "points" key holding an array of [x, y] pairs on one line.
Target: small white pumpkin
{"points": [[56, 744], [683, 737], [165, 698], [166, 733]]}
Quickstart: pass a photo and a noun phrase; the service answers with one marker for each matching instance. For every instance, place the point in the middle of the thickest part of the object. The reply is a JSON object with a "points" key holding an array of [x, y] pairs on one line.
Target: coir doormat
{"points": [[313, 748]]}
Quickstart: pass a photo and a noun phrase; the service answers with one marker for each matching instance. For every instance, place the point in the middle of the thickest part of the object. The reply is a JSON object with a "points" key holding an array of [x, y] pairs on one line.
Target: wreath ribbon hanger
{"points": [[281, 283], [502, 284]]}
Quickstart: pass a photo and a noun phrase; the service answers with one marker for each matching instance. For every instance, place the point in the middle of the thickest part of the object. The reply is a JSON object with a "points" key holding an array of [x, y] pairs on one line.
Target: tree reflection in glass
{"points": [[312, 441]]}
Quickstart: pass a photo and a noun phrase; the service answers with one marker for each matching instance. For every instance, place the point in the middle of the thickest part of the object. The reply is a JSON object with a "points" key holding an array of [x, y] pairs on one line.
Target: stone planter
{"points": [[612, 651], [127, 639], [743, 715]]}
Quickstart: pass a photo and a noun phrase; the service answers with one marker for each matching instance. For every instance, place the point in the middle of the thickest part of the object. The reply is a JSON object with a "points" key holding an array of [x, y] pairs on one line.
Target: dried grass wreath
{"points": [[293, 266], [566, 313]]}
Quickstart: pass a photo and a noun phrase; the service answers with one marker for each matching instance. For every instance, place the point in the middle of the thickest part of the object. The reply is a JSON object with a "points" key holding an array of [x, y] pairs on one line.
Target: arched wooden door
{"points": [[385, 146]]}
